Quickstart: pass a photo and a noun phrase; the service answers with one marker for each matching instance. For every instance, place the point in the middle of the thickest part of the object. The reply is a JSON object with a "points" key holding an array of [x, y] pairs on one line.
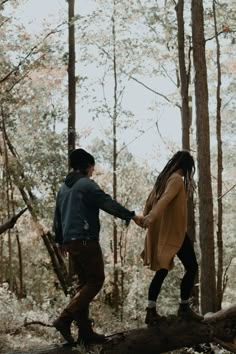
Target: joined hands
{"points": [[139, 220]]}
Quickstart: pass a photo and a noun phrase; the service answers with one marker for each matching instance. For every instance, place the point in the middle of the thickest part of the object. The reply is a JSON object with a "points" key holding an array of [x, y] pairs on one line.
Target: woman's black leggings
{"points": [[187, 256]]}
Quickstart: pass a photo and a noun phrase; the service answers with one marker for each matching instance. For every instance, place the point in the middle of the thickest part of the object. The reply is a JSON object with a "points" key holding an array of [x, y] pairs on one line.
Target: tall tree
{"points": [[114, 172], [206, 225], [71, 77], [186, 110], [219, 169]]}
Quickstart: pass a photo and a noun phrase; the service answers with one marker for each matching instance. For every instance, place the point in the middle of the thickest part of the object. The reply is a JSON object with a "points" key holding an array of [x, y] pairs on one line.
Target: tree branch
{"points": [[31, 51], [11, 222], [227, 191]]}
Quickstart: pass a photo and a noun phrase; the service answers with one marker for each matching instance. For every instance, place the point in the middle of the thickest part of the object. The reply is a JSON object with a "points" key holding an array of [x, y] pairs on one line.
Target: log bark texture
{"points": [[172, 333]]}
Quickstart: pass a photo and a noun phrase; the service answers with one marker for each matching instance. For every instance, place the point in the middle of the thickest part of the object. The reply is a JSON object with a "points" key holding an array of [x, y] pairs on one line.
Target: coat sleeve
{"points": [[57, 227], [174, 184], [148, 204], [104, 201]]}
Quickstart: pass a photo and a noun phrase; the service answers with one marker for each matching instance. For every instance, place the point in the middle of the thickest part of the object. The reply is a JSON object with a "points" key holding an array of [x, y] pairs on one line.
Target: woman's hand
{"points": [[146, 222], [138, 219]]}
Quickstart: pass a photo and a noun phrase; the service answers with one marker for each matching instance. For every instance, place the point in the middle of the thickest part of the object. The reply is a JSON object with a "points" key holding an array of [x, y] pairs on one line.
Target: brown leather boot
{"points": [[152, 318], [87, 335], [187, 313], [63, 324]]}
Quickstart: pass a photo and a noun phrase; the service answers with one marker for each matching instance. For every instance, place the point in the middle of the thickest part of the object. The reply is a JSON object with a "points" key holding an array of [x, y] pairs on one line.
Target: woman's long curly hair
{"points": [[181, 160]]}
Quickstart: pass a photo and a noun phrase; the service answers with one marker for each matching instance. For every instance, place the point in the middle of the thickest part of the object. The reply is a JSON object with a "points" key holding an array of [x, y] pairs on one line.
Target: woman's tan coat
{"points": [[167, 219]]}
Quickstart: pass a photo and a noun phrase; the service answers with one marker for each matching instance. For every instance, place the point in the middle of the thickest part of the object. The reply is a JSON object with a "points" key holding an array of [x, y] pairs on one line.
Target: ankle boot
{"points": [[186, 312], [87, 335], [152, 318], [63, 324]]}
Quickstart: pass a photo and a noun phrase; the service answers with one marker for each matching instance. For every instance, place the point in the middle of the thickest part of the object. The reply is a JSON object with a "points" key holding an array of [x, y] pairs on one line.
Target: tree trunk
{"points": [[186, 115], [219, 293], [114, 122], [7, 186], [186, 111], [172, 333], [206, 230], [184, 77], [71, 79], [21, 292]]}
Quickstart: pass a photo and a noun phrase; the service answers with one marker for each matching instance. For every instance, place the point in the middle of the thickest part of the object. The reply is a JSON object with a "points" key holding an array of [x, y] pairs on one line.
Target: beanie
{"points": [[81, 160]]}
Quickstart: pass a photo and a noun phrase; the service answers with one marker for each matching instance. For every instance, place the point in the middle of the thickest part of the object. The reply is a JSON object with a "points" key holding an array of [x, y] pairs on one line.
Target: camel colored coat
{"points": [[168, 223]]}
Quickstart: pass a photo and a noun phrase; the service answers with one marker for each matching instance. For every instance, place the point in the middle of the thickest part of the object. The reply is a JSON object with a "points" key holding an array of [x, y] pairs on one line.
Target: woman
{"points": [[165, 216]]}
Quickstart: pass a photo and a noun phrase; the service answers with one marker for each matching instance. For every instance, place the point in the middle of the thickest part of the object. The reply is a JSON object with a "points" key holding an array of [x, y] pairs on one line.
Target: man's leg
{"points": [[88, 258], [88, 264]]}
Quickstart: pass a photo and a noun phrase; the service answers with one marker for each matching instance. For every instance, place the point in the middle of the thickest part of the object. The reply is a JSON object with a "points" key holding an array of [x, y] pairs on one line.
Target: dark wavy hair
{"points": [[181, 160]]}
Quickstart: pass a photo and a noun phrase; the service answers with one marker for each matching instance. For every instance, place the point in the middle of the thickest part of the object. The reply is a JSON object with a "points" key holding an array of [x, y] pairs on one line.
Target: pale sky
{"points": [[138, 99]]}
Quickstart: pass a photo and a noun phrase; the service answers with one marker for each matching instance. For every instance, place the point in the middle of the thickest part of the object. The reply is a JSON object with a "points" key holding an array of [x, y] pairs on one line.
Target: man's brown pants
{"points": [[87, 260]]}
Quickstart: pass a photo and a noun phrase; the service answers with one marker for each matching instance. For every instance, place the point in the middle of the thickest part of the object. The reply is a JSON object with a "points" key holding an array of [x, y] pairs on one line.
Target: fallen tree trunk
{"points": [[172, 333]]}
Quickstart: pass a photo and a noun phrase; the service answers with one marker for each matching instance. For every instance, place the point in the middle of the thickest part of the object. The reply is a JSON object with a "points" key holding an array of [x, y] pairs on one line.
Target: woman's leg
{"points": [[187, 256], [152, 317], [156, 283]]}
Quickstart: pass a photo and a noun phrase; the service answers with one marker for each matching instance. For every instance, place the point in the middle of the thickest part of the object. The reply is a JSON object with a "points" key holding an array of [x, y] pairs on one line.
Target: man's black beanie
{"points": [[81, 160]]}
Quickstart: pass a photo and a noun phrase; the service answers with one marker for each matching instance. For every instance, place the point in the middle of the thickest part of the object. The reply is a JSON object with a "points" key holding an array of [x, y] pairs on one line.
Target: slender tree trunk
{"points": [[7, 186], [206, 229], [219, 170], [21, 289], [184, 77], [71, 93], [186, 114], [71, 79], [186, 109], [115, 232], [1, 259]]}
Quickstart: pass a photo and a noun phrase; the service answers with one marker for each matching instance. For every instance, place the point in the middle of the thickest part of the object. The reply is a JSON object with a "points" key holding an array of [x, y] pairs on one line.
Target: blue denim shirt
{"points": [[78, 202]]}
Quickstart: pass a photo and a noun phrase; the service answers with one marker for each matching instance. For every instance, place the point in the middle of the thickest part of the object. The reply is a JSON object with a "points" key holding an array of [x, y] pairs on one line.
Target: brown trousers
{"points": [[87, 260]]}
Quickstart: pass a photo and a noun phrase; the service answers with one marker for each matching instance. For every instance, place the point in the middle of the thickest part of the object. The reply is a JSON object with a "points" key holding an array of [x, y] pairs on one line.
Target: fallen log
{"points": [[170, 334]]}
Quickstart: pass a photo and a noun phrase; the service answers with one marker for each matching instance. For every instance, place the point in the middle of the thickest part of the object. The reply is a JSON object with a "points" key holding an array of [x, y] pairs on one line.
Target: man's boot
{"points": [[152, 318], [63, 325], [187, 313], [87, 335]]}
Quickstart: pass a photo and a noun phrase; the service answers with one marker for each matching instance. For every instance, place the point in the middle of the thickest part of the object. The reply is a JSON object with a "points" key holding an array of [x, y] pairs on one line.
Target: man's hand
{"points": [[62, 250], [138, 219], [146, 222]]}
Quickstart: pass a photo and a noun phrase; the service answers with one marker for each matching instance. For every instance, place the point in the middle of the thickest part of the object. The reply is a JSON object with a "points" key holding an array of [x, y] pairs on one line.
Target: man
{"points": [[77, 226]]}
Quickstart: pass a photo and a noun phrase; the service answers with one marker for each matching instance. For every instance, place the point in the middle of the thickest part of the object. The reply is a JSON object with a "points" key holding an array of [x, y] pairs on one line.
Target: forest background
{"points": [[131, 82]]}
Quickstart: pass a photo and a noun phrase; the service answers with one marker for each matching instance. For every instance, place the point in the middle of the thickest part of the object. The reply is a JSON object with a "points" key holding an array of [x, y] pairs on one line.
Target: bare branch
{"points": [[137, 137], [135, 79], [3, 23], [222, 196], [165, 143], [31, 52], [3, 2], [11, 222], [36, 323], [218, 34]]}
